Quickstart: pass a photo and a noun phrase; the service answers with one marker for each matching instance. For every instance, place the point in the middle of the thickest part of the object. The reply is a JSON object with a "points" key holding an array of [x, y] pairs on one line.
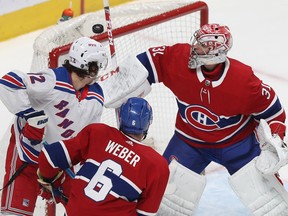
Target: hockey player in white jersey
{"points": [[48, 105]]}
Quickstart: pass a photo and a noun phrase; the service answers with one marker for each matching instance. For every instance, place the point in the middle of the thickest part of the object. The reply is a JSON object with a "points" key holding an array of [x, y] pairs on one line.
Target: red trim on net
{"points": [[194, 7]]}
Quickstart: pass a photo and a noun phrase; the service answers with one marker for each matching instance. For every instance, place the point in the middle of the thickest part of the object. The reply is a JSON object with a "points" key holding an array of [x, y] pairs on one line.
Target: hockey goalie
{"points": [[221, 102]]}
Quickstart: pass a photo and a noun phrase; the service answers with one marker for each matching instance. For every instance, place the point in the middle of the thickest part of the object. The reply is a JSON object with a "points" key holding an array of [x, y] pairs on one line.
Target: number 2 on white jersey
{"points": [[99, 180]]}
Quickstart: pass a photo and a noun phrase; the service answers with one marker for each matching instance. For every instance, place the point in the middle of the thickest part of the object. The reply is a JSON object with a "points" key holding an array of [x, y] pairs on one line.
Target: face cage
{"points": [[196, 60]]}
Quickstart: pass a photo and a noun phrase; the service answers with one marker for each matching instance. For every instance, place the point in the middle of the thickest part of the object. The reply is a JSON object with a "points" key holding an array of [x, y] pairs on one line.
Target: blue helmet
{"points": [[135, 116]]}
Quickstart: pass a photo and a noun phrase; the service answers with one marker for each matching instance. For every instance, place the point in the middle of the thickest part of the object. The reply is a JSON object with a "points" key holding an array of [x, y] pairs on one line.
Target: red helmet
{"points": [[219, 40]]}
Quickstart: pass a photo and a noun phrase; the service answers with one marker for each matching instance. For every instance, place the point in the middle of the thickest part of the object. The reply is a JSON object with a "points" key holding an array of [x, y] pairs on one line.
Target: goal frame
{"points": [[199, 6]]}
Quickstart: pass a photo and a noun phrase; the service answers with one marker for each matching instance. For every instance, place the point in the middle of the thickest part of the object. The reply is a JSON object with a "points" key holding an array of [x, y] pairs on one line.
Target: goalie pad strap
{"points": [[183, 191], [261, 194]]}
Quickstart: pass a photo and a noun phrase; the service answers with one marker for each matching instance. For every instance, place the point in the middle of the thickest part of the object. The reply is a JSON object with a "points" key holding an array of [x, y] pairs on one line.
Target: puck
{"points": [[97, 28]]}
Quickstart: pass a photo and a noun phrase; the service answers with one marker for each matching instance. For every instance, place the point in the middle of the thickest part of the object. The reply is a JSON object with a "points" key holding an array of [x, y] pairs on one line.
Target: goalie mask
{"points": [[135, 116], [215, 37], [87, 55]]}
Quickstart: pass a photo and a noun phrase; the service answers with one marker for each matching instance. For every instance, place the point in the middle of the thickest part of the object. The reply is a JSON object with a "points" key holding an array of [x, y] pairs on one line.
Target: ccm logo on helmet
{"points": [[93, 45]]}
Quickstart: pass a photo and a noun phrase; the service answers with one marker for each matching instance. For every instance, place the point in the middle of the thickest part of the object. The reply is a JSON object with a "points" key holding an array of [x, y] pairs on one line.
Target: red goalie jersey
{"points": [[119, 176], [215, 109]]}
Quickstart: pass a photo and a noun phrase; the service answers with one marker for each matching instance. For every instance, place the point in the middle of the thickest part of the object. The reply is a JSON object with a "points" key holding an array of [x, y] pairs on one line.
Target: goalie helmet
{"points": [[215, 37], [84, 53], [135, 116]]}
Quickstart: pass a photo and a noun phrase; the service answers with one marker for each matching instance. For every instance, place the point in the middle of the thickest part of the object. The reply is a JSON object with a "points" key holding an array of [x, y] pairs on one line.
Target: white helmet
{"points": [[219, 40], [86, 50]]}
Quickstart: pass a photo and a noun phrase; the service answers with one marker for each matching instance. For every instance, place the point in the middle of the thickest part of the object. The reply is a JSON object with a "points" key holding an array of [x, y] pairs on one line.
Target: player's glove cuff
{"points": [[51, 188], [34, 129]]}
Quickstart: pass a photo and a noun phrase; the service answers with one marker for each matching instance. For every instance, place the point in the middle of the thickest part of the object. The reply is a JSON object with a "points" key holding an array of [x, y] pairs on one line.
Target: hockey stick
{"points": [[111, 46], [110, 35], [14, 176]]}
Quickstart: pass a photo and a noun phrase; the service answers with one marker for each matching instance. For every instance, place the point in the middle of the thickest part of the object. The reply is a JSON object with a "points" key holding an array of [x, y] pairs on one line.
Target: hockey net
{"points": [[136, 26]]}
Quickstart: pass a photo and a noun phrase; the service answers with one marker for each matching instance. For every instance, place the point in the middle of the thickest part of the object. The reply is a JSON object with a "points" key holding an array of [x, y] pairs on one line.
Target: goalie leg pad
{"points": [[261, 194], [183, 191]]}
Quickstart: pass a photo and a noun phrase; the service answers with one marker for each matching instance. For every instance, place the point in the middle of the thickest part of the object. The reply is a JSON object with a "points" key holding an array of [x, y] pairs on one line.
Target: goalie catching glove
{"points": [[51, 188], [34, 129], [274, 152]]}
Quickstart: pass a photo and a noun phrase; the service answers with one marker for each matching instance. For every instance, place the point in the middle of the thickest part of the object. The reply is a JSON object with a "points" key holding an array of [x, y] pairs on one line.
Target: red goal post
{"points": [[139, 25]]}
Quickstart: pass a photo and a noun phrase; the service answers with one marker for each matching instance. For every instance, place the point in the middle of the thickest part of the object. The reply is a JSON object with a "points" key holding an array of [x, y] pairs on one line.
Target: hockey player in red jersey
{"points": [[220, 104], [49, 105], [120, 175]]}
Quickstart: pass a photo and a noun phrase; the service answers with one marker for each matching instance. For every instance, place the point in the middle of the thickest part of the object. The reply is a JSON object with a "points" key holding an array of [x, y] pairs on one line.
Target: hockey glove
{"points": [[274, 152], [34, 129], [51, 189], [278, 128]]}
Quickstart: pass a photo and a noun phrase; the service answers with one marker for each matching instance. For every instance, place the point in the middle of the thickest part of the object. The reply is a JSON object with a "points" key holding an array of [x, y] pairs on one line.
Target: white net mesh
{"points": [[178, 29]]}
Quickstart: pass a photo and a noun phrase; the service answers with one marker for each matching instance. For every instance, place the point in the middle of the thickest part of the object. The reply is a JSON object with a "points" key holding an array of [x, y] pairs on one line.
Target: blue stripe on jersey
{"points": [[30, 148], [12, 80], [88, 170], [62, 75], [10, 85], [27, 159], [95, 98], [26, 156], [64, 89], [96, 89], [275, 108], [20, 114], [64, 83], [120, 186], [57, 155], [221, 122], [143, 58]]}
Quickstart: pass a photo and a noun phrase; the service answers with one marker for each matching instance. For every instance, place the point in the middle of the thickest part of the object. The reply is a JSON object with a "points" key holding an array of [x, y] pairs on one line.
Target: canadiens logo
{"points": [[204, 119]]}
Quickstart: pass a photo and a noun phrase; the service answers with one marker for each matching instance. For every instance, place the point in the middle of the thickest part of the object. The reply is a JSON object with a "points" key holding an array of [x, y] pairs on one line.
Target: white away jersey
{"points": [[52, 91]]}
